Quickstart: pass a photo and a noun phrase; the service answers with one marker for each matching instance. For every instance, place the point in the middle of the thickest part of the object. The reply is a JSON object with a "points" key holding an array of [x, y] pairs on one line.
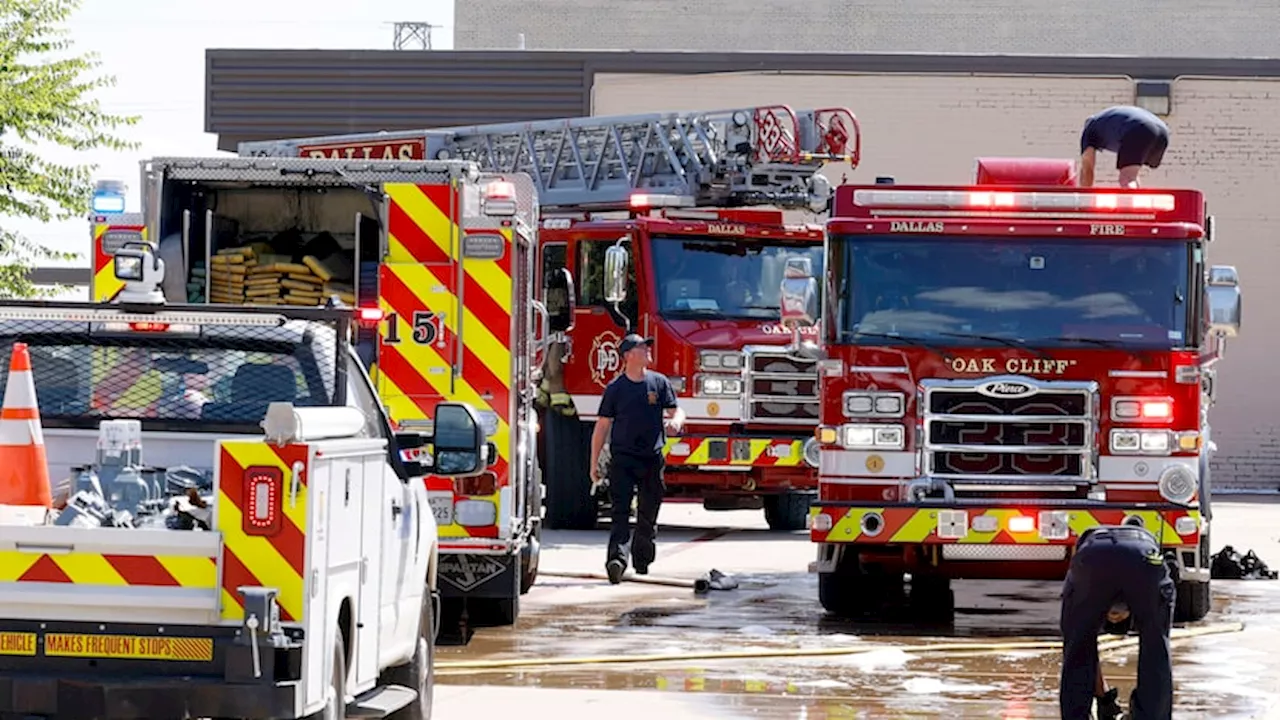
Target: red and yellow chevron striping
{"points": [[82, 568], [105, 284], [985, 525], [425, 302], [736, 452], [274, 553]]}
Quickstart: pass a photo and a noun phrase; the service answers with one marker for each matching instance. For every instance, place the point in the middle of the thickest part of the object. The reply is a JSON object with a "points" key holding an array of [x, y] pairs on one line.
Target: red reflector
{"points": [[482, 485], [148, 326], [372, 315], [261, 514]]}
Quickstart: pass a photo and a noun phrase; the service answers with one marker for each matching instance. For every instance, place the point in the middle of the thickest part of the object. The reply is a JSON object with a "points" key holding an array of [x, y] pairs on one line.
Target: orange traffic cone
{"points": [[25, 493]]}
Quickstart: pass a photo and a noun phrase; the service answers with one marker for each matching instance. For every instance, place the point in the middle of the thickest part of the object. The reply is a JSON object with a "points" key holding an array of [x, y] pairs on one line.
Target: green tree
{"points": [[46, 98]]}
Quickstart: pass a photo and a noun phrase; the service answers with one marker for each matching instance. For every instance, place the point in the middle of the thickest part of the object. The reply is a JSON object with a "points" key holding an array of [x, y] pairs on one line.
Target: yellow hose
{"points": [[937, 649]]}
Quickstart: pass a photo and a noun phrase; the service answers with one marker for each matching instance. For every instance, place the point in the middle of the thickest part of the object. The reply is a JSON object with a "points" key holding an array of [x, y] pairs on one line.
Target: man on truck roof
{"points": [[1136, 136]]}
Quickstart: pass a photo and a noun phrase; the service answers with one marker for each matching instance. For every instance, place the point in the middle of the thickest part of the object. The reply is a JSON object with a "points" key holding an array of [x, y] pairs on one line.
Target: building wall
{"points": [[1170, 28], [1226, 142]]}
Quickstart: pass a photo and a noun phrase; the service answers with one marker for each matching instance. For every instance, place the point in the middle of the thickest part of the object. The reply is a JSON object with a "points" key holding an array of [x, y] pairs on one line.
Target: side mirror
{"points": [[560, 299], [615, 273], [799, 296], [1223, 300], [456, 440]]}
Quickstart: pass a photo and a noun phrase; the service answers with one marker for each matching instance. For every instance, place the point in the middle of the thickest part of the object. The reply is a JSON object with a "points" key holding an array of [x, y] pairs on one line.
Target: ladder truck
{"points": [[673, 226]]}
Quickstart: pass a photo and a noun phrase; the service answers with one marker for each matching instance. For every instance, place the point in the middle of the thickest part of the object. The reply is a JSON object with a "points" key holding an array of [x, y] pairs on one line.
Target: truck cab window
{"points": [[590, 278]]}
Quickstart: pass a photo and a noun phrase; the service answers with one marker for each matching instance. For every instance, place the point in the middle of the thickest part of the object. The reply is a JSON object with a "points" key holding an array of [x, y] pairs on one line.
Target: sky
{"points": [[155, 49]]}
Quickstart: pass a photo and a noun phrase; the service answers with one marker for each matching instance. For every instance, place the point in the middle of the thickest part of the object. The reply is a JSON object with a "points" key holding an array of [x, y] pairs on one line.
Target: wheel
{"points": [[932, 599], [1193, 601], [419, 674], [851, 591], [529, 559], [567, 479], [335, 707], [787, 512]]}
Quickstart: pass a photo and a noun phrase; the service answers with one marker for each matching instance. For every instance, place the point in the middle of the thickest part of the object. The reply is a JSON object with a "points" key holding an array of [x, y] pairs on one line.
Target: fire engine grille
{"points": [[781, 388], [1045, 432]]}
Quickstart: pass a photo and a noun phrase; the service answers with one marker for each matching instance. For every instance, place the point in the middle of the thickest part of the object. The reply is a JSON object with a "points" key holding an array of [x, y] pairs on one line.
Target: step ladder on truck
{"points": [[671, 225], [439, 258], [1016, 361], [223, 523]]}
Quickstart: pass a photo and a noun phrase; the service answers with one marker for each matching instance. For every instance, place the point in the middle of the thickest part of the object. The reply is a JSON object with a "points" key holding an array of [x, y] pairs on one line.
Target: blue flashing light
{"points": [[107, 204], [108, 197]]}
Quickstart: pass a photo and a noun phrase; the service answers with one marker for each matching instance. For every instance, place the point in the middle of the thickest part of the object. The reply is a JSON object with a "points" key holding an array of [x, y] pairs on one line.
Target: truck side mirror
{"points": [[1223, 300], [457, 443], [616, 260], [560, 299], [799, 296]]}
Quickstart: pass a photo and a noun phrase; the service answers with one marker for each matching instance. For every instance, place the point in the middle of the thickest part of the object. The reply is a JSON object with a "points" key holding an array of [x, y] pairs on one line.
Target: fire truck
{"points": [[439, 258], [1004, 366], [670, 225]]}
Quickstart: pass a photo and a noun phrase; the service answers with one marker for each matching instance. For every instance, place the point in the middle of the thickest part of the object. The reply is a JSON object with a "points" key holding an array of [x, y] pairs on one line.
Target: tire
{"points": [[529, 558], [787, 512], [336, 706], [932, 600], [567, 478], [1193, 601], [849, 591], [420, 673]]}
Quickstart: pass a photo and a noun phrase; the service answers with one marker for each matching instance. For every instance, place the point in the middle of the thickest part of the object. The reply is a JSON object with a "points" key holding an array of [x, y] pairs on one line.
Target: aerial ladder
{"points": [[766, 155]]}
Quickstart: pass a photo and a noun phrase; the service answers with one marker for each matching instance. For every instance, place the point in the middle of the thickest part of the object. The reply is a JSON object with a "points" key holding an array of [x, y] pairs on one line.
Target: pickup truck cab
{"points": [[285, 562]]}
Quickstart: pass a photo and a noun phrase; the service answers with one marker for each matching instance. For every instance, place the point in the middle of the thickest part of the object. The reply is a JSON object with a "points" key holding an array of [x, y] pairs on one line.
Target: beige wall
{"points": [[1168, 28], [1226, 142]]}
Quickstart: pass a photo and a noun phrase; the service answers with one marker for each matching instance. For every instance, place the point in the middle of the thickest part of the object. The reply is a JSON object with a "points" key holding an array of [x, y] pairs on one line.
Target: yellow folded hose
{"points": [[933, 650]]}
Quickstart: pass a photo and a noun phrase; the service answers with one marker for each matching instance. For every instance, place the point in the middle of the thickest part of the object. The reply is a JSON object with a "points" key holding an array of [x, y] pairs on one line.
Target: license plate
{"points": [[442, 508]]}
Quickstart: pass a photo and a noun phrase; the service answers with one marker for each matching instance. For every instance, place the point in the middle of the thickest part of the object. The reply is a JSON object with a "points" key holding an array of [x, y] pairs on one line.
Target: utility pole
{"points": [[413, 35]]}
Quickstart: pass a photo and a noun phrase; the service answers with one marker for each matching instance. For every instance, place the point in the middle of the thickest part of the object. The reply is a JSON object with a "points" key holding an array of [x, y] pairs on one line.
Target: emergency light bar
{"points": [[500, 198], [1022, 201]]}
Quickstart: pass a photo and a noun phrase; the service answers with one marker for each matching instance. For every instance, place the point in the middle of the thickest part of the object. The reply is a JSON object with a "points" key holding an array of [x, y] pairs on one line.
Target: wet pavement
{"points": [[767, 624]]}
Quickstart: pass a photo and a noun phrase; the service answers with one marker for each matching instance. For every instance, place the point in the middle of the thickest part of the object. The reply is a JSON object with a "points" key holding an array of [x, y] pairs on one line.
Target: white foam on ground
{"points": [[935, 686]]}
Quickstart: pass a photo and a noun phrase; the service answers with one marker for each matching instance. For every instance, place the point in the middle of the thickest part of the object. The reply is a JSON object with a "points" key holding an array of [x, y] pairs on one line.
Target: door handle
{"points": [[395, 510]]}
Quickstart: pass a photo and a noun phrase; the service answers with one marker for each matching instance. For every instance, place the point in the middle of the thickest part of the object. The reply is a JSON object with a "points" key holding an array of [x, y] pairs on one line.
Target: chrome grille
{"points": [[780, 387], [1009, 430]]}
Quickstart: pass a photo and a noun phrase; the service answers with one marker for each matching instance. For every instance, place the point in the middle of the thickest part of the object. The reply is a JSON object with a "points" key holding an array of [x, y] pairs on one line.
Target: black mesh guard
{"points": [[196, 370]]}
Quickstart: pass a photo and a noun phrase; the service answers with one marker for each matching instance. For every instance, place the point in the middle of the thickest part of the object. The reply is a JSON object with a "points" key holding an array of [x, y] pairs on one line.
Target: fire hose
{"points": [[946, 649]]}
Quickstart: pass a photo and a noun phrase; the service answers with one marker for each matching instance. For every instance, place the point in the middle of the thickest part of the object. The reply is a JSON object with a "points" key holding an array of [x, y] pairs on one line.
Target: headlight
{"points": [[1178, 484], [719, 360], [1141, 442], [719, 386], [812, 452], [866, 437], [128, 267], [876, 404]]}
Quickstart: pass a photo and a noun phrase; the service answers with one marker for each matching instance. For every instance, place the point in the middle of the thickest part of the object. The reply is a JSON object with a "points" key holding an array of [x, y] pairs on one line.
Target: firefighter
{"points": [[1136, 136], [637, 410], [1117, 571]]}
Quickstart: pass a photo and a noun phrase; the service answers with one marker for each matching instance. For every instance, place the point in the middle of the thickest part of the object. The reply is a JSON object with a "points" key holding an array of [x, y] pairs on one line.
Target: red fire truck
{"points": [[1006, 365], [645, 229]]}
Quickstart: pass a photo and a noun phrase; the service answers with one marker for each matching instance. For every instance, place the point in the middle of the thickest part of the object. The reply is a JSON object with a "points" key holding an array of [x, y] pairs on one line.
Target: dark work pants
{"points": [[1107, 568], [628, 477]]}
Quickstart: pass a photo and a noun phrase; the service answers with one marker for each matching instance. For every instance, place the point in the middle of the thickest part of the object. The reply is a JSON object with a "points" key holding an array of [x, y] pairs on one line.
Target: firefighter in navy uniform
{"points": [[1117, 571]]}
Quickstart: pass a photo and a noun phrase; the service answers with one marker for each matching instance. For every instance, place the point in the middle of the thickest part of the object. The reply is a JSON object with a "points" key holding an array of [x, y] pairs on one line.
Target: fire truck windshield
{"points": [[1026, 291], [724, 277]]}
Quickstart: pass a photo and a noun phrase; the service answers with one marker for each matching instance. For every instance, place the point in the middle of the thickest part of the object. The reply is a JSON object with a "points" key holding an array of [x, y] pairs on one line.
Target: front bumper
{"points": [[717, 452], [87, 671], [1022, 524]]}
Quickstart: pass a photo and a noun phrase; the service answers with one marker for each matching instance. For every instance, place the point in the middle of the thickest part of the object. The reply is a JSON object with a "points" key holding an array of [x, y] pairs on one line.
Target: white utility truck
{"points": [[244, 538]]}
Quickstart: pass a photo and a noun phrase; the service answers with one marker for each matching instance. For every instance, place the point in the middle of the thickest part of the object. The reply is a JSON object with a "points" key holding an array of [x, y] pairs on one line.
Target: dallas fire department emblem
{"points": [[604, 358]]}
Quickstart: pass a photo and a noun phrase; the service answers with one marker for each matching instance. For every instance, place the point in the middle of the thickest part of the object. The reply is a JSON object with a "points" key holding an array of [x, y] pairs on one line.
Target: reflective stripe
{"points": [[278, 561], [920, 525], [760, 454], [418, 284]]}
